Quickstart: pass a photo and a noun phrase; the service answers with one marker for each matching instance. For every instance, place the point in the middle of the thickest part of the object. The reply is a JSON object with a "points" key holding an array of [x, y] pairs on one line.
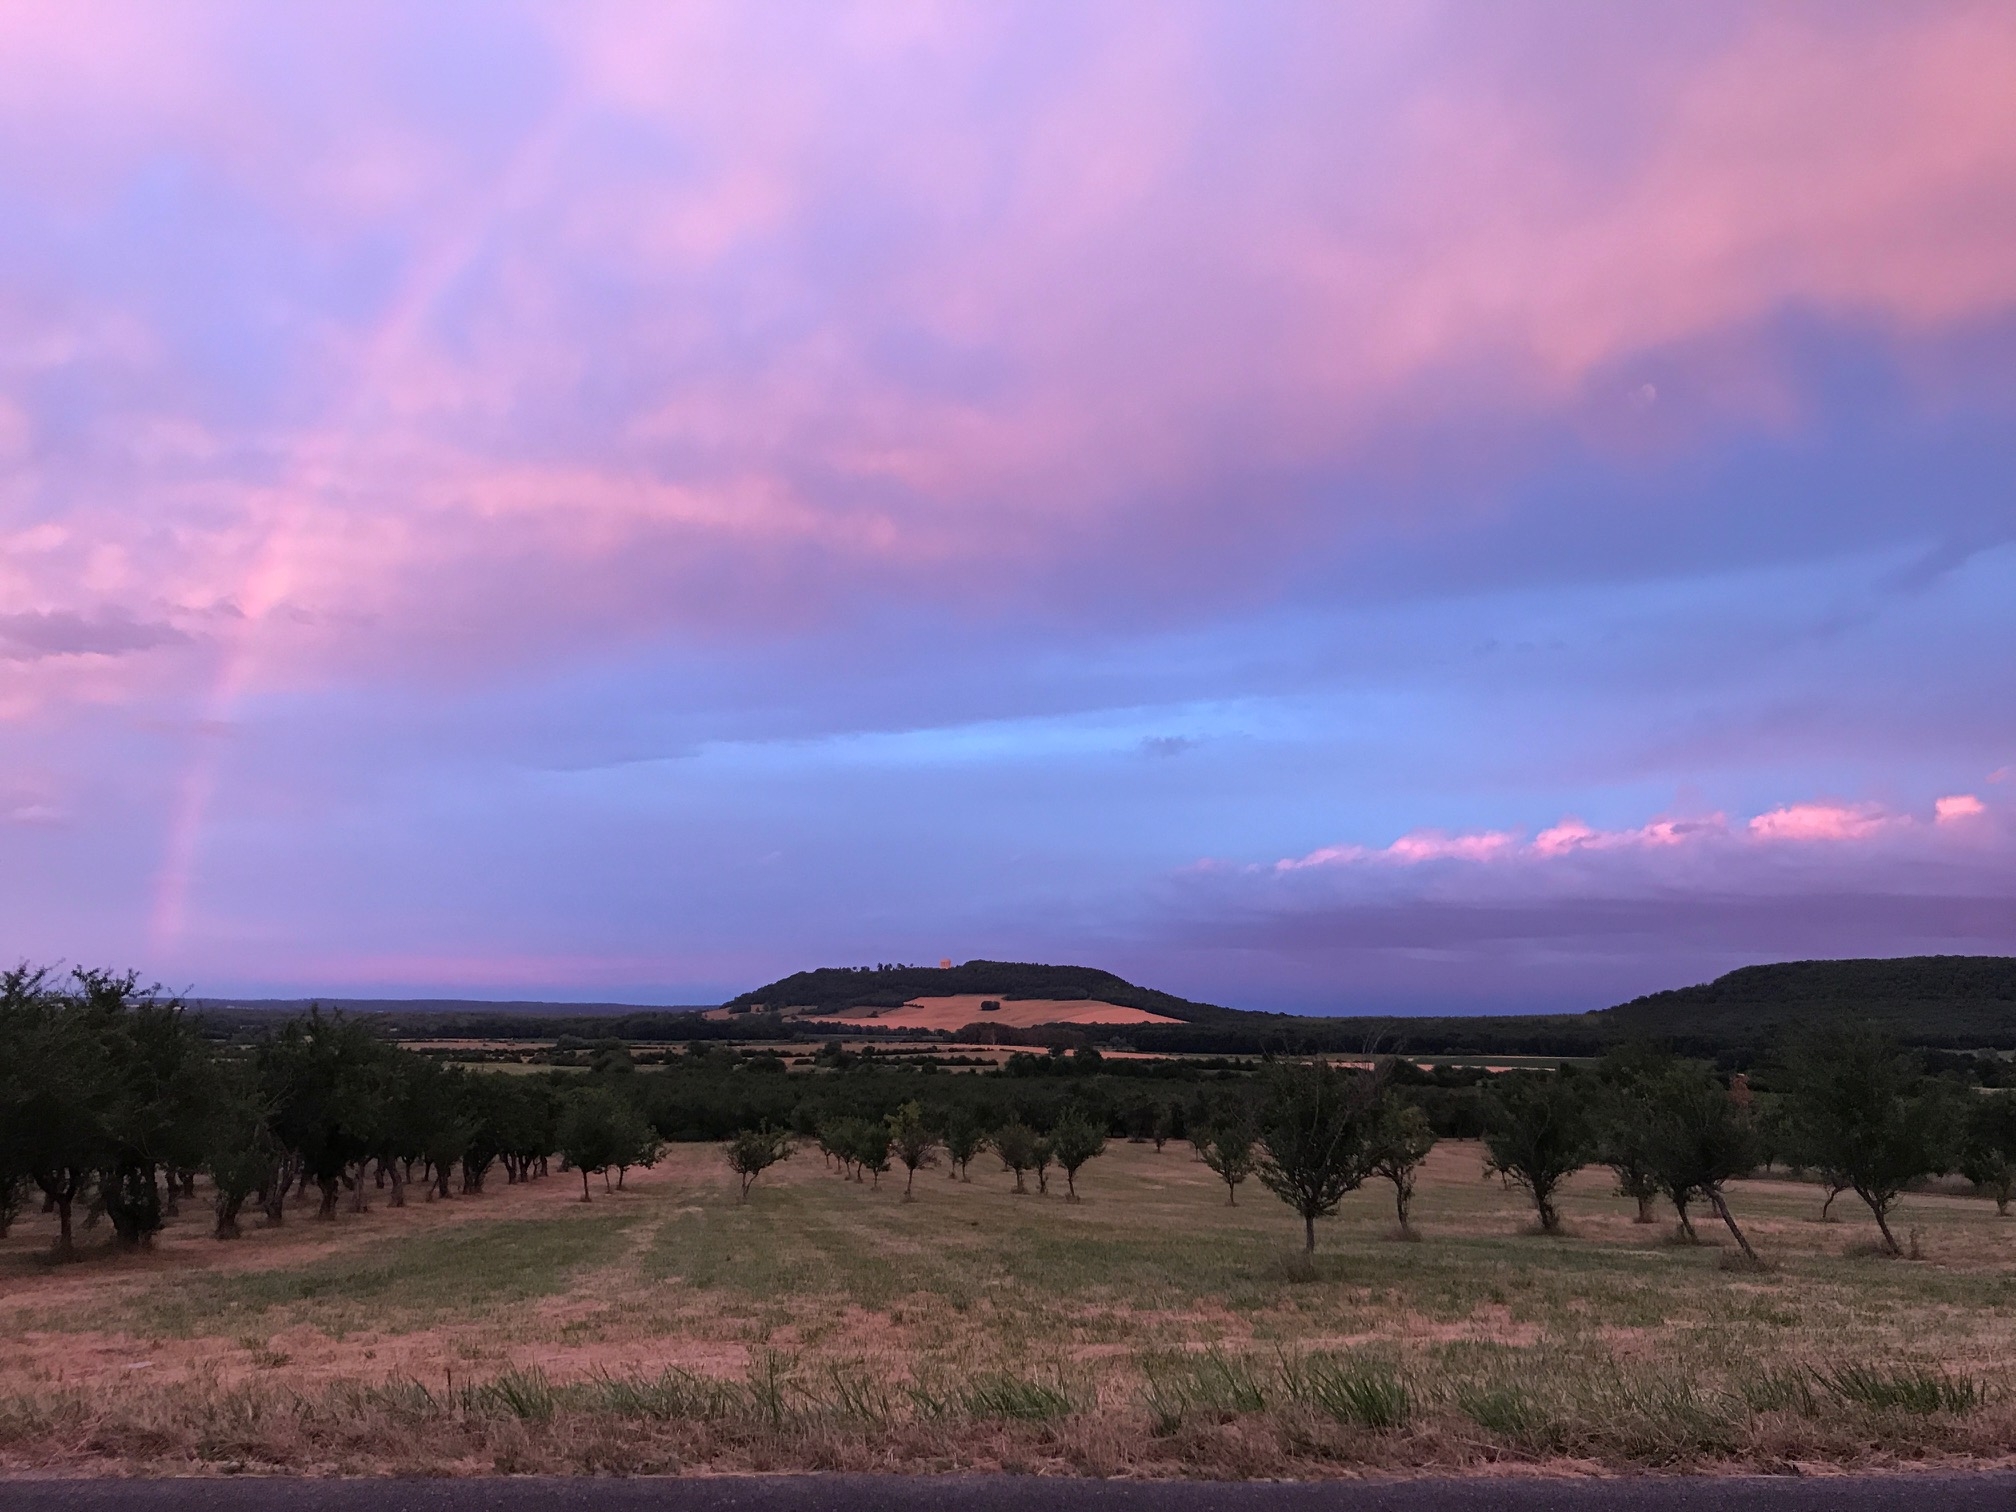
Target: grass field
{"points": [[1149, 1330]]}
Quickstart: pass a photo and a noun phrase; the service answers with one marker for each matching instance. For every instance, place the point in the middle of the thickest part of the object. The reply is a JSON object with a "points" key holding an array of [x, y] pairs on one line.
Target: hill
{"points": [[1938, 1002], [830, 989], [1945, 1000]]}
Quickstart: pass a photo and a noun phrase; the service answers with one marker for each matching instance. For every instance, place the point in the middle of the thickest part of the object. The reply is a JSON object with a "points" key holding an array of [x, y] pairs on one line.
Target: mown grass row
{"points": [[1318, 1406], [1552, 1411]]}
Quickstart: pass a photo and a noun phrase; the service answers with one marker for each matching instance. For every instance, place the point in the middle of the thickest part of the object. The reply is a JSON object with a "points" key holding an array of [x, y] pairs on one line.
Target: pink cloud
{"points": [[1798, 823], [1432, 845], [1149, 271], [1572, 835], [1821, 821]]}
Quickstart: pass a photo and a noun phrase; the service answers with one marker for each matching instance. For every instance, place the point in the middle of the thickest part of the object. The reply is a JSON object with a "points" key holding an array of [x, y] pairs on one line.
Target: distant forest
{"points": [[1934, 1002]]}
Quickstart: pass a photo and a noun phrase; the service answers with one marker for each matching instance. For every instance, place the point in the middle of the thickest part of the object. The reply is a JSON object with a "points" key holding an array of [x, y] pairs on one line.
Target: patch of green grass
{"points": [[1212, 1384], [1780, 1390], [524, 1394], [470, 1268], [1016, 1397], [672, 1395], [1902, 1388], [1361, 1392]]}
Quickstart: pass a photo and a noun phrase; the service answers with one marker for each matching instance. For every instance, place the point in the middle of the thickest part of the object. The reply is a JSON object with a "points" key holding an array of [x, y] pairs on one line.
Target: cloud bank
{"points": [[474, 483]]}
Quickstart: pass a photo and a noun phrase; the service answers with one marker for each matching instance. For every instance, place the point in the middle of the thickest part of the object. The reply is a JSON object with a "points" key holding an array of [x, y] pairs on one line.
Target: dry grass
{"points": [[1150, 1330]]}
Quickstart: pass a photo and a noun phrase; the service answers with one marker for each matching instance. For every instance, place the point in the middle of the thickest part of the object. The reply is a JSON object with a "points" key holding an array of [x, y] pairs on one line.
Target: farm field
{"points": [[1148, 1330]]}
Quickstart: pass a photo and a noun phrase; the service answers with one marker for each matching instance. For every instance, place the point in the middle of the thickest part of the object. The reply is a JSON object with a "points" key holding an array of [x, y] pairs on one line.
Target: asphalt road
{"points": [[1977, 1492]]}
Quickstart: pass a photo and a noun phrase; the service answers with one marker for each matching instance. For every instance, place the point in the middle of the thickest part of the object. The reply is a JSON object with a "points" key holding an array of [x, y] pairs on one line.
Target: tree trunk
{"points": [[1070, 1185], [907, 1185], [227, 1216], [1231, 1195], [1883, 1223], [1686, 1223], [274, 1198], [1644, 1210], [398, 1183], [59, 1197], [1722, 1211], [1020, 1185], [584, 1185], [1550, 1220], [331, 1189], [1309, 1233], [132, 1200]]}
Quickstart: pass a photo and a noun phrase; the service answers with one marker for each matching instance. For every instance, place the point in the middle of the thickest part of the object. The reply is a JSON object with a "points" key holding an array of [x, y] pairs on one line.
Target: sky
{"points": [[1330, 507]]}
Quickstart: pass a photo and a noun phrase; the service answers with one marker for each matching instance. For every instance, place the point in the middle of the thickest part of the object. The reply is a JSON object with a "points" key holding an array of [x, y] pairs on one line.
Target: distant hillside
{"points": [[831, 988], [435, 1007], [1939, 1002], [466, 1018], [1944, 1000]]}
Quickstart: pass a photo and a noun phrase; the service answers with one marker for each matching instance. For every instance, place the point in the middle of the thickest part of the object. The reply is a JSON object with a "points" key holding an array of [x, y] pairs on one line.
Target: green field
{"points": [[1150, 1329]]}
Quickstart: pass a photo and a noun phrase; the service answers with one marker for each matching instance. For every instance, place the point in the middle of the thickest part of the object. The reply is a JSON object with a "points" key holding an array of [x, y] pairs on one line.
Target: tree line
{"points": [[113, 1103], [1849, 1108]]}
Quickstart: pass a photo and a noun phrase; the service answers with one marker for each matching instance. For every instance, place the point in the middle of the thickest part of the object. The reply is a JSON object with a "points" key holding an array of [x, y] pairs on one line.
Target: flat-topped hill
{"points": [[836, 989]]}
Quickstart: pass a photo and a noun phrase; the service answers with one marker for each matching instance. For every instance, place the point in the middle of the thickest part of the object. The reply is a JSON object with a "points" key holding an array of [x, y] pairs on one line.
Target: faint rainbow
{"points": [[319, 463]]}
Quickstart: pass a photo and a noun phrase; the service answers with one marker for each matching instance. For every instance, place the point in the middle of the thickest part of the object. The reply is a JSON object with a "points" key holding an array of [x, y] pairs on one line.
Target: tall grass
{"points": [[1361, 1392], [1017, 1398], [1179, 1387], [1902, 1388]]}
